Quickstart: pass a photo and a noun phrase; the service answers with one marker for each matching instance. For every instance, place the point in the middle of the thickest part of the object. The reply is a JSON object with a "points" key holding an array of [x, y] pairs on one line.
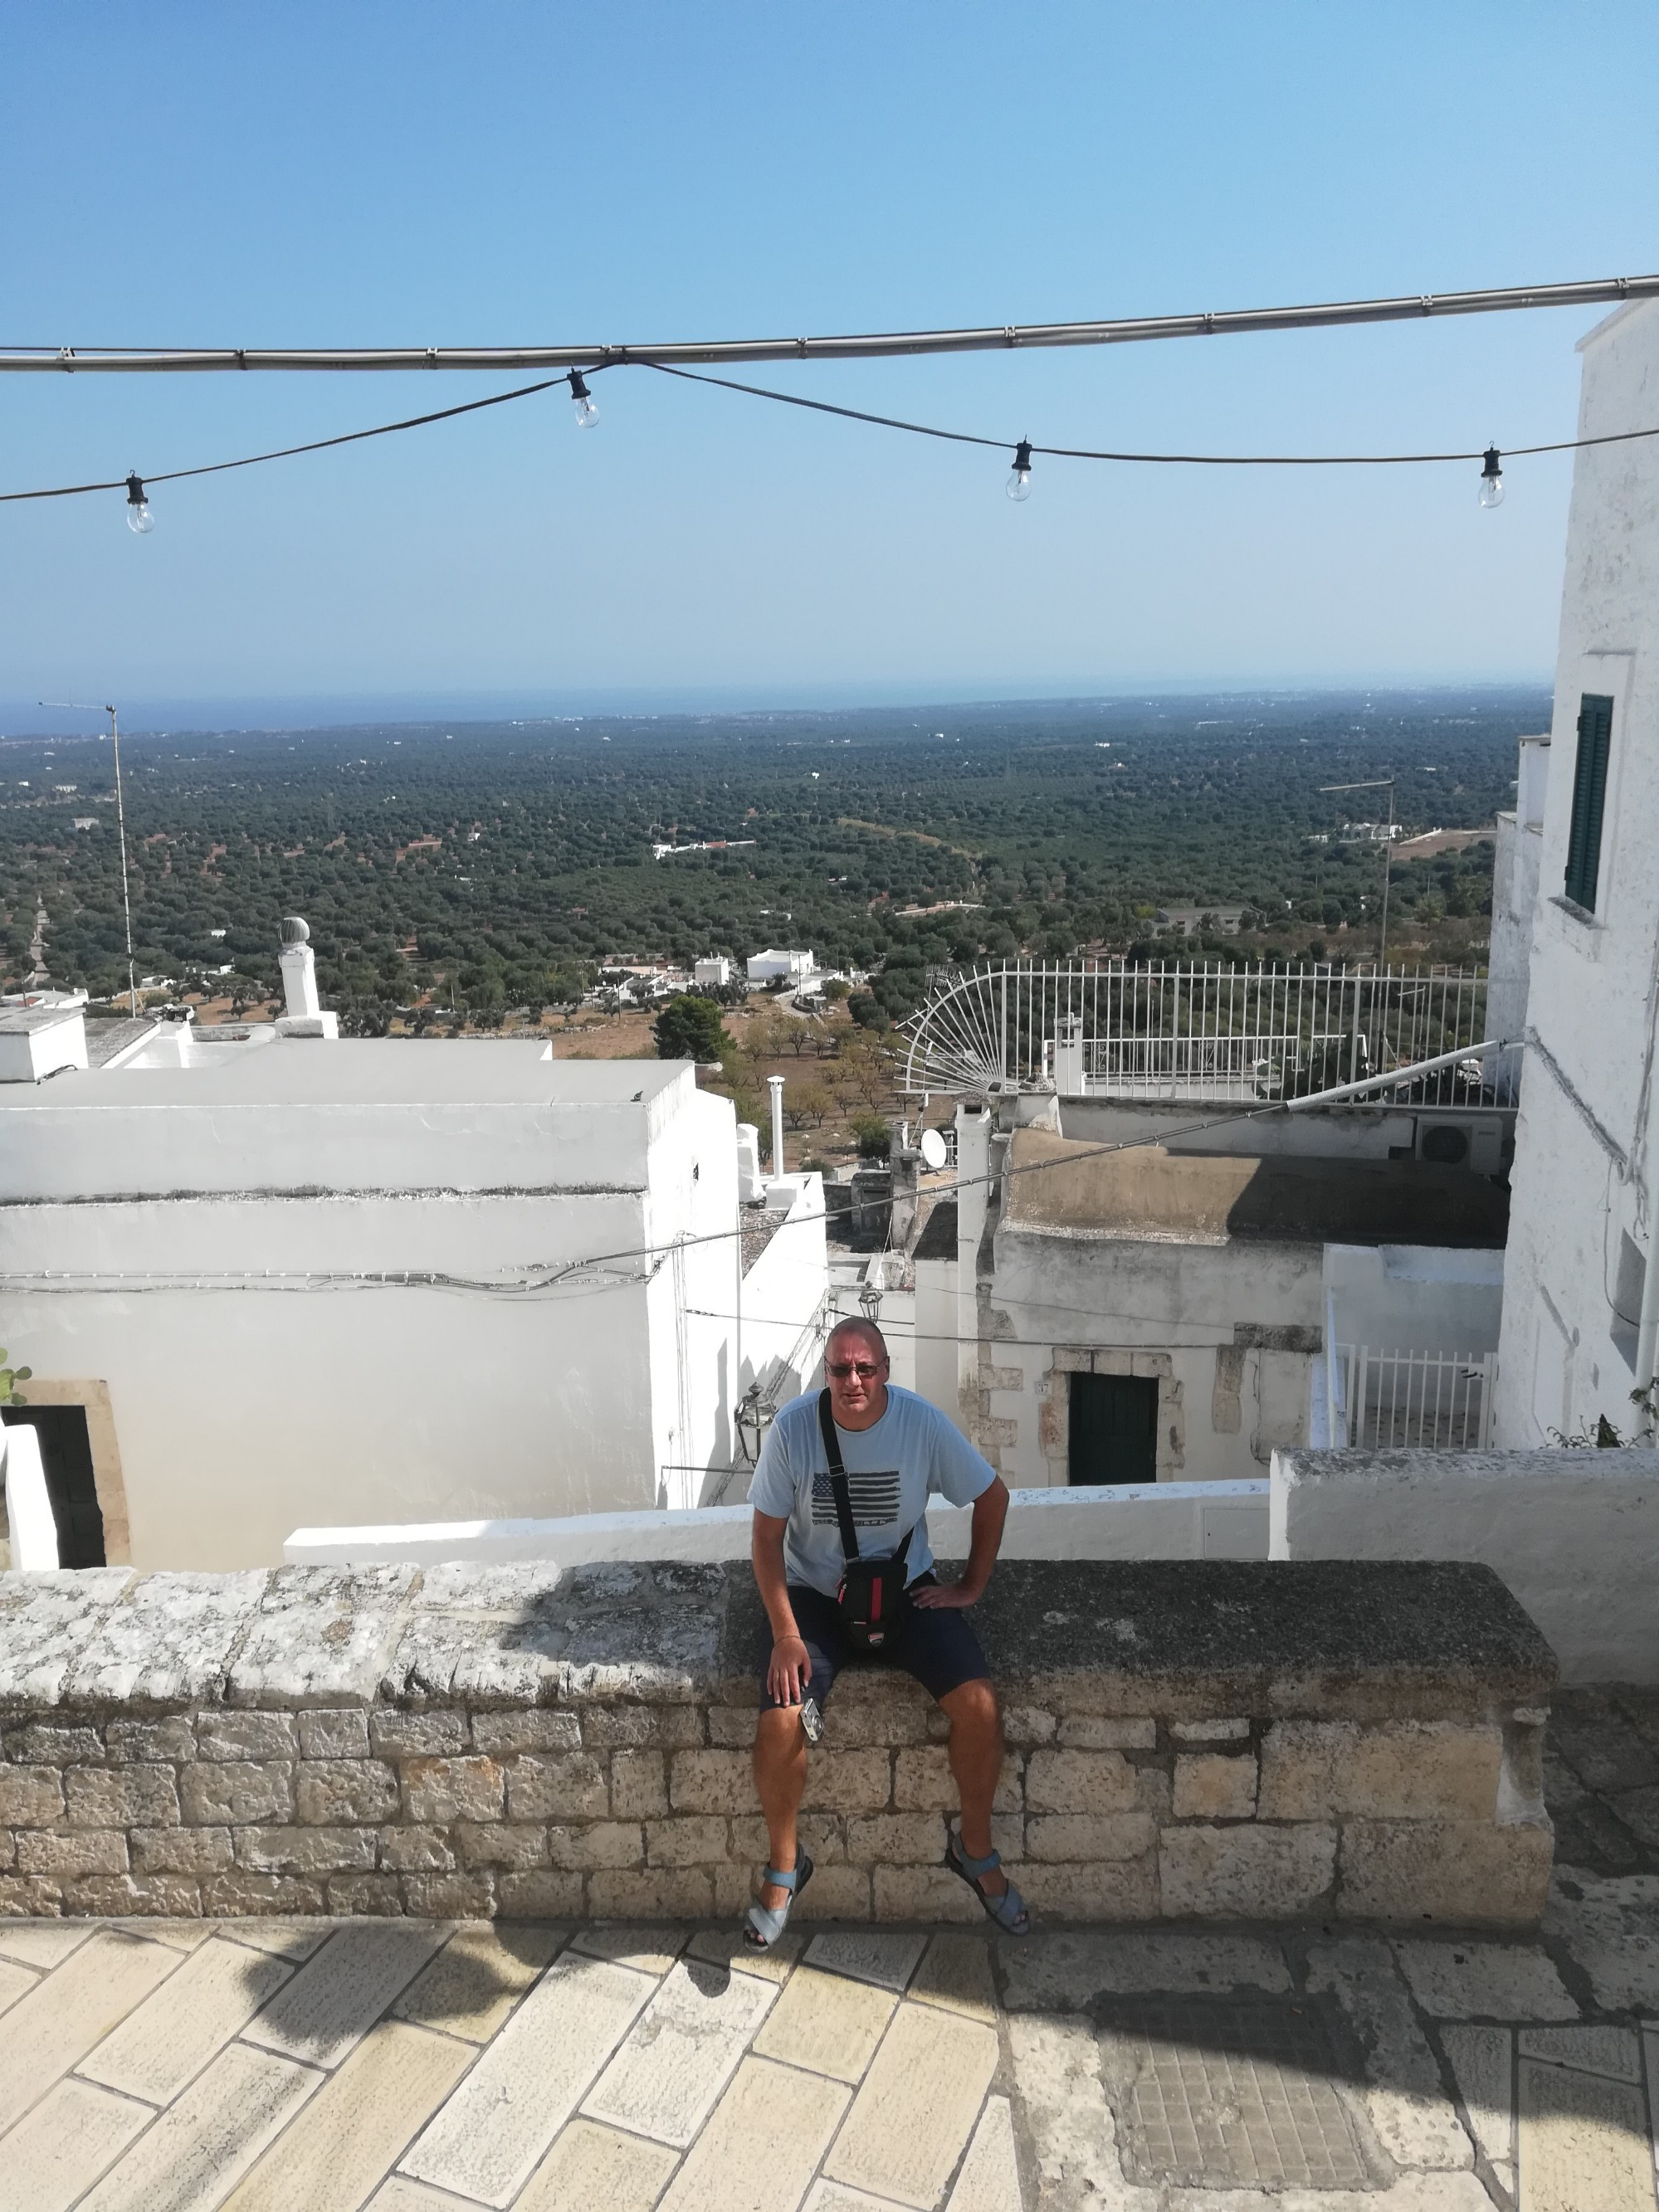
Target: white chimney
{"points": [[775, 1084], [305, 1015]]}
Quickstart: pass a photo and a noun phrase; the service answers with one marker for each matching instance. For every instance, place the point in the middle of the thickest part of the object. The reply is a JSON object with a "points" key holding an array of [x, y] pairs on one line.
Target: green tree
{"points": [[689, 1028]]}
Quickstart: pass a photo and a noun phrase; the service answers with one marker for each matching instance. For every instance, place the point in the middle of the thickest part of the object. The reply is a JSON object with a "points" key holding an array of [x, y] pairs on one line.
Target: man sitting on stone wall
{"points": [[897, 1450]]}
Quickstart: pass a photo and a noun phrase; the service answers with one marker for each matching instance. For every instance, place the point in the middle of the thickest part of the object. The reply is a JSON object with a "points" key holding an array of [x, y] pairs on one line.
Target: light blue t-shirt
{"points": [[892, 1469]]}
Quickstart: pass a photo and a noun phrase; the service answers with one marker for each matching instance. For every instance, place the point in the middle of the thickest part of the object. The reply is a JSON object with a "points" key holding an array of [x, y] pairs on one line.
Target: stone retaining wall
{"points": [[1201, 1739]]}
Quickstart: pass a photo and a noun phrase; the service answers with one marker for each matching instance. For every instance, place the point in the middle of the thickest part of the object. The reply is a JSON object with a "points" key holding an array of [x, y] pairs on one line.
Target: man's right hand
{"points": [[789, 1672]]}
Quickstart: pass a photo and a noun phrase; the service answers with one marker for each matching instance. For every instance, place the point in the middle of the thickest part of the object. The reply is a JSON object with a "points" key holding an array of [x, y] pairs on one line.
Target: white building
{"points": [[774, 966], [1516, 866], [1581, 1293], [715, 972], [291, 1279]]}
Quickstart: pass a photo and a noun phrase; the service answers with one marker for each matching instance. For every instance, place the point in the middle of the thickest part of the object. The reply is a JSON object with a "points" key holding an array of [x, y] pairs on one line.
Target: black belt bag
{"points": [[873, 1605]]}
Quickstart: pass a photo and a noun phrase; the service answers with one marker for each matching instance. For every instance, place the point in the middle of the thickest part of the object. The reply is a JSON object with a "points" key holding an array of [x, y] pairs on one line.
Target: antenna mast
{"points": [[77, 707]]}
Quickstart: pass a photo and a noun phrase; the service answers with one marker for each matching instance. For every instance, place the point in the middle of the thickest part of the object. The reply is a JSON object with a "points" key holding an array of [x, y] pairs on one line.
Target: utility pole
{"points": [[76, 706]]}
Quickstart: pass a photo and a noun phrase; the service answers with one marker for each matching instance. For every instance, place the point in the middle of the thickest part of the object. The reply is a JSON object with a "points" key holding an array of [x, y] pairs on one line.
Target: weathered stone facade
{"points": [[1213, 1739]]}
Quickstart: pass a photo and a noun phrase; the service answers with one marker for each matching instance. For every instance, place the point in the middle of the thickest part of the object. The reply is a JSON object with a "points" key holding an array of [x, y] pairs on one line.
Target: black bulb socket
{"points": [[579, 385], [1023, 458], [1492, 465], [134, 491]]}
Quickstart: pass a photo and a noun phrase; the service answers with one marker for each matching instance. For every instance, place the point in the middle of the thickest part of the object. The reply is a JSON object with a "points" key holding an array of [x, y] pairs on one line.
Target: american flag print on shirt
{"points": [[875, 1499]]}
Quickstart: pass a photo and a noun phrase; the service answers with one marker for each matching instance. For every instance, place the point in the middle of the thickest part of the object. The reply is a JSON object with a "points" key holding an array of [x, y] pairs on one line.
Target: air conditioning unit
{"points": [[1474, 1141]]}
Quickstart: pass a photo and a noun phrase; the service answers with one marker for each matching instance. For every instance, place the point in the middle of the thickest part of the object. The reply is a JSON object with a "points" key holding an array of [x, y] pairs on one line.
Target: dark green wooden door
{"points": [[1114, 1429]]}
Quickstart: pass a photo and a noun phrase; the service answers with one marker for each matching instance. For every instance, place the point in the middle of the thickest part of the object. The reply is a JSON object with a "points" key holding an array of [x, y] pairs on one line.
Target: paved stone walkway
{"points": [[409, 2066]]}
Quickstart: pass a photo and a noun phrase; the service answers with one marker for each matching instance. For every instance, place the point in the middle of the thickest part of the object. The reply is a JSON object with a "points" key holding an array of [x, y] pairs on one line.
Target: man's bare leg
{"points": [[976, 1762], [780, 1777]]}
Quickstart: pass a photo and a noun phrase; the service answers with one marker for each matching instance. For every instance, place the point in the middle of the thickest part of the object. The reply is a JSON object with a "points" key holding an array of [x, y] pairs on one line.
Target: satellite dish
{"points": [[933, 1149]]}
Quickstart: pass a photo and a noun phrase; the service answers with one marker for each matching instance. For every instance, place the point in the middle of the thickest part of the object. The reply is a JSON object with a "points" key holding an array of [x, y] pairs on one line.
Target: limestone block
{"points": [[180, 1851], [172, 1741], [365, 1895], [1212, 1786], [225, 1896], [496, 1734], [835, 1893], [449, 1896], [55, 1743], [822, 1836], [1397, 1769], [1246, 1873], [91, 1851], [597, 1843], [167, 1644], [1079, 1782], [170, 1896], [1216, 1731], [1446, 1871], [920, 1893], [246, 1735], [674, 1893], [548, 1786], [712, 1782], [1582, 2142], [417, 1850], [342, 1735], [515, 1844], [1027, 1726], [639, 1784], [235, 1792], [1100, 1732], [30, 1894], [734, 1890], [730, 1728], [322, 1636], [338, 1789], [1124, 1890], [1060, 1836], [464, 1788], [923, 1782], [631, 1727], [8, 1850], [538, 1896], [853, 1726], [121, 1797], [305, 1850], [897, 1839], [30, 1797], [415, 1735], [850, 1781], [700, 1840]]}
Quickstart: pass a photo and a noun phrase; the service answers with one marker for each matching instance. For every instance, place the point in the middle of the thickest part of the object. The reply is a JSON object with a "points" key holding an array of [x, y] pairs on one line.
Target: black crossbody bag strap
{"points": [[838, 1490]]}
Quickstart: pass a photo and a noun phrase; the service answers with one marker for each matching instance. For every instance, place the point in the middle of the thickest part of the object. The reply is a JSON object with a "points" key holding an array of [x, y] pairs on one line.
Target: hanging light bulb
{"points": [[1019, 484], [139, 517], [1492, 478], [588, 408]]}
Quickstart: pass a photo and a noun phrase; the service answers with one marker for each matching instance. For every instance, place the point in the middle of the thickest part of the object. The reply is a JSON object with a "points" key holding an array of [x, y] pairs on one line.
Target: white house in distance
{"points": [[289, 1278], [780, 967], [1581, 1294], [714, 972]]}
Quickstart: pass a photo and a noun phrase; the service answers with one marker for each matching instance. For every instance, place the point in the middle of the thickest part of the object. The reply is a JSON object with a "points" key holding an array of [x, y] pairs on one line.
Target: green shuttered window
{"points": [[1589, 791]]}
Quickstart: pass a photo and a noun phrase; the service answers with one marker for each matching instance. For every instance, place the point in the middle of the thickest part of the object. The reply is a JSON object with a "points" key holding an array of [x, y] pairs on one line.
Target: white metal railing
{"points": [[1383, 1401], [1201, 1030]]}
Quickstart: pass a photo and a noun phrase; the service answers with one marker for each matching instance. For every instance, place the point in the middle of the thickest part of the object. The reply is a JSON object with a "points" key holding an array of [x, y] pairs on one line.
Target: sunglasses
{"points": [[866, 1369]]}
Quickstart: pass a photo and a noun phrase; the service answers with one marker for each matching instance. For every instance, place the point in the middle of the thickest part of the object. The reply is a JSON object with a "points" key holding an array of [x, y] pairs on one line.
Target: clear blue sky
{"points": [[415, 174]]}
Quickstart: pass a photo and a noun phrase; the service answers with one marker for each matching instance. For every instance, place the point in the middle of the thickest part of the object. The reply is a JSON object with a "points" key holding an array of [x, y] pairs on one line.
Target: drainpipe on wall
{"points": [[1647, 1328], [775, 1084]]}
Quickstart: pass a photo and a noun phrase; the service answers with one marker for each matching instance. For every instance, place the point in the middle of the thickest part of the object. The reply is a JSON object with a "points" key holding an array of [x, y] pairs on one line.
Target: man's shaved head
{"points": [[844, 1330]]}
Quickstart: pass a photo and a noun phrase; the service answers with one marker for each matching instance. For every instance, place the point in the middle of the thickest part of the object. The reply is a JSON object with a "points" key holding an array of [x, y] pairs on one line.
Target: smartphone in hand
{"points": [[811, 1719]]}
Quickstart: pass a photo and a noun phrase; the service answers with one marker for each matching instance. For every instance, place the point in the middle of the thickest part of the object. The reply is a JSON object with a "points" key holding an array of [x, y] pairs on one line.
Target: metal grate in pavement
{"points": [[1213, 2094]]}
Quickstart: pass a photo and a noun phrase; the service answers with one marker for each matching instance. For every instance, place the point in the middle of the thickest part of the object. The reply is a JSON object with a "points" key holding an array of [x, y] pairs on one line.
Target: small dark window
{"points": [[1589, 792], [1114, 1429], [66, 1461]]}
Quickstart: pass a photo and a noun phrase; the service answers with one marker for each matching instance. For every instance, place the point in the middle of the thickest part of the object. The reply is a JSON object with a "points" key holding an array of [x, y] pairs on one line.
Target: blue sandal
{"points": [[766, 1922], [1008, 1910]]}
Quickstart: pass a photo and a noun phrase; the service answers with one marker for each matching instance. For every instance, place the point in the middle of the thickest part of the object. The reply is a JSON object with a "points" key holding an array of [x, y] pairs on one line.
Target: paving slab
{"points": [[337, 1995], [1583, 2143], [889, 1961], [358, 2125], [402, 2195], [201, 2147], [15, 1982], [833, 2196], [725, 1947], [955, 1973], [1481, 2063], [73, 2135], [762, 2144], [826, 2023], [648, 1950], [478, 1977], [1065, 1972], [1408, 2108], [1485, 1981], [170, 2037], [488, 2138], [1613, 2052], [45, 2032], [911, 2121], [590, 2166], [680, 2054], [1610, 1928], [179, 1935], [1073, 2136], [43, 1943], [989, 2179], [283, 1939]]}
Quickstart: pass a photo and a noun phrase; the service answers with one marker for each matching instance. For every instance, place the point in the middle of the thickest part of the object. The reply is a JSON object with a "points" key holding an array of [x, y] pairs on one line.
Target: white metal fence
{"points": [[1193, 1029], [1409, 1400]]}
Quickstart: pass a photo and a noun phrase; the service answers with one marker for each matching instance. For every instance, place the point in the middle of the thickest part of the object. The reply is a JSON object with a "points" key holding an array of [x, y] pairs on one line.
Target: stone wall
{"points": [[1195, 1739]]}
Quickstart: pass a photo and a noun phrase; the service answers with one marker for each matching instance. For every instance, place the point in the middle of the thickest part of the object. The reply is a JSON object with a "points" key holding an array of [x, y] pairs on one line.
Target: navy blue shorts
{"points": [[940, 1649]]}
